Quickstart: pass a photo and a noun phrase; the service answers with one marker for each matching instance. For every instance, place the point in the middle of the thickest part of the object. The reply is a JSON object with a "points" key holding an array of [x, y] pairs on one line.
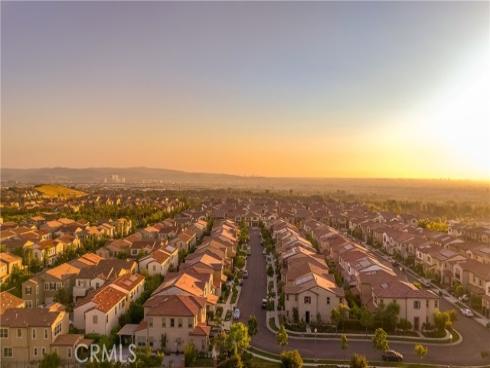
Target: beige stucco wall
{"points": [[317, 307]]}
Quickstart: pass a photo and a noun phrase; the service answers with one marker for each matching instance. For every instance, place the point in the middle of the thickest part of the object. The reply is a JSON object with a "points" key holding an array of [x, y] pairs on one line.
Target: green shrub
{"points": [[291, 359]]}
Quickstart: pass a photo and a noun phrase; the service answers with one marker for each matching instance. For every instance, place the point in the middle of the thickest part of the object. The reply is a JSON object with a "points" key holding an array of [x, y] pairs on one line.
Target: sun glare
{"points": [[457, 118]]}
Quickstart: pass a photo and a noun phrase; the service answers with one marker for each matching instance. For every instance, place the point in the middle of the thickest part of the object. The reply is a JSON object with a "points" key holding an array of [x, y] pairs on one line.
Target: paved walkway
{"points": [[476, 338]]}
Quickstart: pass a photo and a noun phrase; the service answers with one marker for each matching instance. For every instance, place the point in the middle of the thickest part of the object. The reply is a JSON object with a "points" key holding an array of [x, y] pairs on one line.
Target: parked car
{"points": [[245, 274], [392, 356], [264, 303], [467, 312], [264, 252], [236, 314], [426, 282], [464, 298]]}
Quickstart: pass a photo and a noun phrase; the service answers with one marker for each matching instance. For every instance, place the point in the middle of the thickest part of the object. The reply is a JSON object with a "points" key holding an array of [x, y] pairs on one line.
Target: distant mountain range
{"points": [[457, 190], [110, 175]]}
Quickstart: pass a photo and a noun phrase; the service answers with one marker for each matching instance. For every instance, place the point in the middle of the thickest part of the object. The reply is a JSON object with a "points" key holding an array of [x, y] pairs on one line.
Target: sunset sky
{"points": [[386, 89]]}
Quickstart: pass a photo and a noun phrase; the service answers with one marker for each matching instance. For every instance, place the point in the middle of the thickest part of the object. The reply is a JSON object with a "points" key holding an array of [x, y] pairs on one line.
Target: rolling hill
{"points": [[57, 191]]}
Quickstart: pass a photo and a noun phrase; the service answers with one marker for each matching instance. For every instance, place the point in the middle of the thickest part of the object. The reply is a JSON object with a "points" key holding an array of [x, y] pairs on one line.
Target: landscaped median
{"points": [[451, 337]]}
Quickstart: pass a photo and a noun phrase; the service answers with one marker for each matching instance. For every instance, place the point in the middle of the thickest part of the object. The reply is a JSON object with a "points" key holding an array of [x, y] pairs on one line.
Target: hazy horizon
{"points": [[485, 181], [281, 90]]}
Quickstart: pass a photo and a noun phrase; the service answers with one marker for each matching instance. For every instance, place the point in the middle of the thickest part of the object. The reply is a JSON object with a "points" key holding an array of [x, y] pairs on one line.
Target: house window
{"points": [[436, 303], [328, 300], [164, 322], [57, 329], [28, 291], [172, 322], [7, 352], [19, 332], [180, 322], [4, 332], [190, 322], [43, 350], [150, 322], [416, 304], [46, 333], [28, 303], [95, 319], [33, 333], [69, 352], [287, 297], [46, 286], [35, 351], [427, 303], [307, 300]]}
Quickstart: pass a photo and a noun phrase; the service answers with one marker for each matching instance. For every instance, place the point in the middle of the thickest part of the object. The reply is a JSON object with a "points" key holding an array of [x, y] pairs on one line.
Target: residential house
{"points": [[9, 262], [100, 310], [27, 334], [173, 321], [97, 275], [9, 301]]}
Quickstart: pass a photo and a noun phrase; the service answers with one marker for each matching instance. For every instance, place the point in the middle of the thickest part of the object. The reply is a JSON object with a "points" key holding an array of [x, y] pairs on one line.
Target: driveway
{"points": [[475, 337]]}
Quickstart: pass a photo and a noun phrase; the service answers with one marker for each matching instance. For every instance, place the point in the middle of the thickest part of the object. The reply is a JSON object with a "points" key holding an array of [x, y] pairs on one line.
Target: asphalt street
{"points": [[476, 338]]}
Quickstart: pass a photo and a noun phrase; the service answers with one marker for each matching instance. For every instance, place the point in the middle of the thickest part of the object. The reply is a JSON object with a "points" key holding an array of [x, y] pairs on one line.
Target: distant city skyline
{"points": [[293, 89]]}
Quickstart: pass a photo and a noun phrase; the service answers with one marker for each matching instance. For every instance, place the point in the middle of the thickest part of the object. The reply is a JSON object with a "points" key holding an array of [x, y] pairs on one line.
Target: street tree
{"points": [[344, 343], [238, 338], [444, 320], [340, 314], [380, 339], [291, 359], [252, 325], [421, 350], [358, 361], [282, 336]]}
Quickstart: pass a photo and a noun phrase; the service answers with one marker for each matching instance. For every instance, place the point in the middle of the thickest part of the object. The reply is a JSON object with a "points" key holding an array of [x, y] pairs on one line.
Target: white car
{"points": [[236, 314], [467, 312]]}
